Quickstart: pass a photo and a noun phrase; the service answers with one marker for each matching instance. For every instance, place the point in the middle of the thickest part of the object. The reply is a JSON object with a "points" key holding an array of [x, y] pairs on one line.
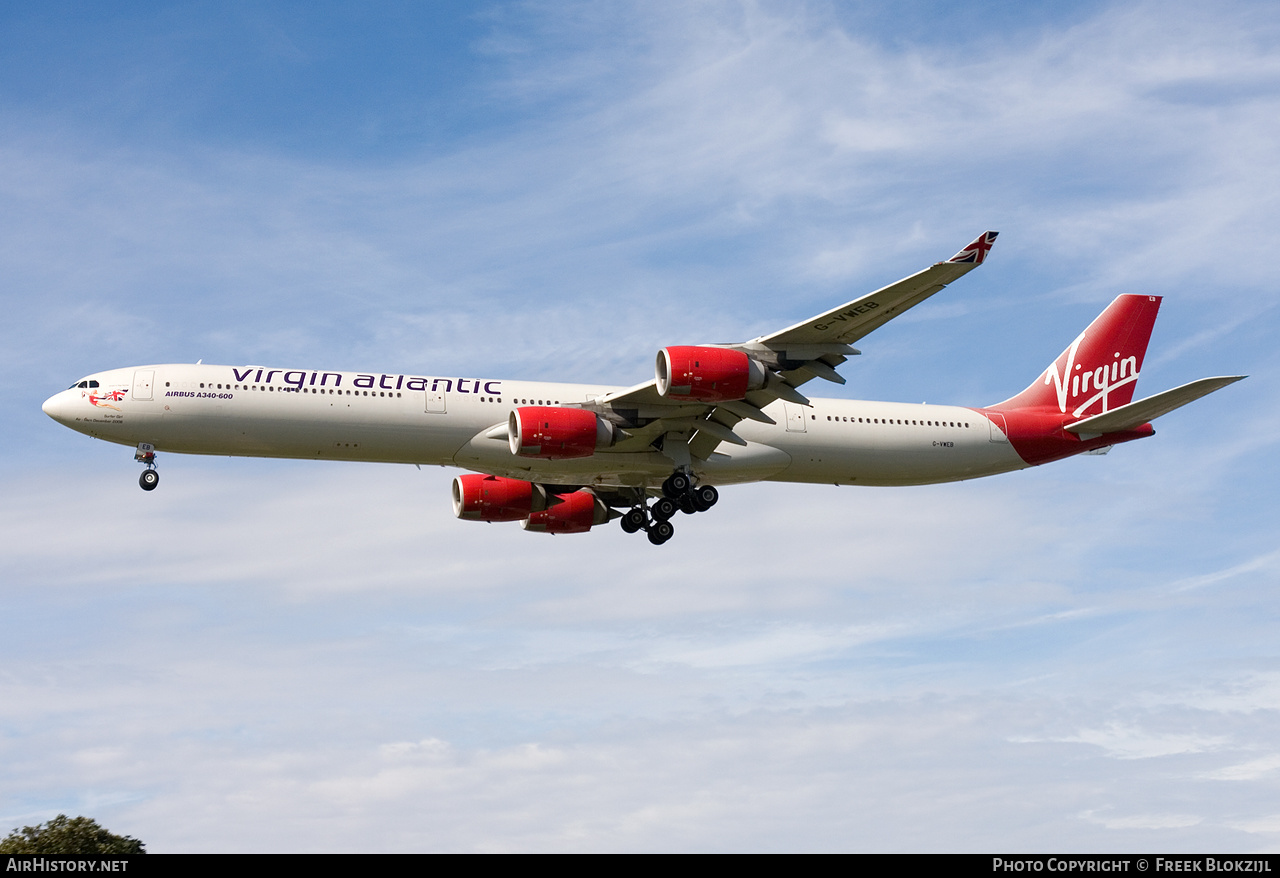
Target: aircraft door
{"points": [[142, 381], [435, 401], [795, 417], [999, 429]]}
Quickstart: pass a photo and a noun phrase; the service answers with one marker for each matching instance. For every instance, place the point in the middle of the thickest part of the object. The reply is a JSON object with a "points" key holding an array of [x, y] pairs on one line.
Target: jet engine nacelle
{"points": [[492, 498], [556, 433], [707, 374], [576, 513]]}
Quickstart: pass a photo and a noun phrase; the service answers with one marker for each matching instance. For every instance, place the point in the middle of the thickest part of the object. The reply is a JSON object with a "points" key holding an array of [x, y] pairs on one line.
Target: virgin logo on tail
{"points": [[1098, 371], [1075, 381]]}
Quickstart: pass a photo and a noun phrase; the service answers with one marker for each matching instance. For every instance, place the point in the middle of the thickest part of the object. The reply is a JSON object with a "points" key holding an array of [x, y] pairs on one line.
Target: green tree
{"points": [[72, 837]]}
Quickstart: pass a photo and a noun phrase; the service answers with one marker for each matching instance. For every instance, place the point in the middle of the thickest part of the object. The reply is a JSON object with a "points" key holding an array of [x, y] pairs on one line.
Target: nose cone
{"points": [[58, 407]]}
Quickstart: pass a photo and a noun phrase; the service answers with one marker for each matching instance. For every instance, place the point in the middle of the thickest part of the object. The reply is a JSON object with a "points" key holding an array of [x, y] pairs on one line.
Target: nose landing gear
{"points": [[146, 455]]}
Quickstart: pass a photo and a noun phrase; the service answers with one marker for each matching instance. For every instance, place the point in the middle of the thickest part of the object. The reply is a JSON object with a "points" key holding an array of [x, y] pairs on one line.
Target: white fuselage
{"points": [[259, 412]]}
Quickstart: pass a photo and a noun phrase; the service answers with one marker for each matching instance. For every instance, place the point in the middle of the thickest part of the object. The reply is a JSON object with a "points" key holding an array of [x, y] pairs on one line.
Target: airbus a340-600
{"points": [[562, 458]]}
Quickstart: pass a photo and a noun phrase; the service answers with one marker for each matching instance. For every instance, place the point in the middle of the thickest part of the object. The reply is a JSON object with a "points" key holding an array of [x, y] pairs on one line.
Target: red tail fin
{"points": [[1098, 372]]}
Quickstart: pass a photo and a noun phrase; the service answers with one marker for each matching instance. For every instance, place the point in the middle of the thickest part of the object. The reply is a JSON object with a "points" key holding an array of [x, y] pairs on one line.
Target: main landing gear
{"points": [[679, 494], [146, 455], [641, 518]]}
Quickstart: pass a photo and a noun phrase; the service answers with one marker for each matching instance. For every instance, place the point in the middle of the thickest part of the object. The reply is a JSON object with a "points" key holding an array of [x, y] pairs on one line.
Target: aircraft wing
{"points": [[828, 335], [795, 355], [852, 320], [1135, 414]]}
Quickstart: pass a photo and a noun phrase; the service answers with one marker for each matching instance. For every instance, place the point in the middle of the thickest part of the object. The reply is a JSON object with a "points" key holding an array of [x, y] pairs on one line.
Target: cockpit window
{"points": [[80, 384], [93, 383]]}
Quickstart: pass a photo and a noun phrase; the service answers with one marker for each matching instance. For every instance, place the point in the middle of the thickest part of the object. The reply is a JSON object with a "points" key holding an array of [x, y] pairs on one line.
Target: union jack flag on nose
{"points": [[977, 251]]}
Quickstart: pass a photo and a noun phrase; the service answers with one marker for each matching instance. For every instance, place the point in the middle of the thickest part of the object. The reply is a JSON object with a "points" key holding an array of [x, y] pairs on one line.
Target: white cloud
{"points": [[1145, 821], [1269, 825], [1128, 742], [1251, 770]]}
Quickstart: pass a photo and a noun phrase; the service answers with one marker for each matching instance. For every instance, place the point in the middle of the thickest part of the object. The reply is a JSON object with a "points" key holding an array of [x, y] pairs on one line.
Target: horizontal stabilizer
{"points": [[1135, 414]]}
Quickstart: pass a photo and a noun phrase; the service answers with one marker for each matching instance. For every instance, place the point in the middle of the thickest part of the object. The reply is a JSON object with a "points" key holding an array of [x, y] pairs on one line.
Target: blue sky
{"points": [[296, 656]]}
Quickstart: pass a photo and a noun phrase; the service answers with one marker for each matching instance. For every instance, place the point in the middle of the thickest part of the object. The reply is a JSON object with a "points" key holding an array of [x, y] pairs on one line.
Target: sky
{"points": [[309, 656]]}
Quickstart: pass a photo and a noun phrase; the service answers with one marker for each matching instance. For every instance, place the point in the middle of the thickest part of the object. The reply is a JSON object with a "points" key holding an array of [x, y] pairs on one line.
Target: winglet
{"points": [[977, 251]]}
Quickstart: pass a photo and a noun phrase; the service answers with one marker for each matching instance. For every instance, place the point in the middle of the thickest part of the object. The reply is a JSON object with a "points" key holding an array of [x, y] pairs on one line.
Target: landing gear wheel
{"points": [[634, 520], [686, 504], [676, 485], [704, 497], [661, 532], [664, 508], [149, 479]]}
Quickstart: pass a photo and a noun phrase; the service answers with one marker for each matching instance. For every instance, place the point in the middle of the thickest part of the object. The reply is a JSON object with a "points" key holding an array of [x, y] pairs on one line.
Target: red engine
{"points": [[575, 514], [555, 433], [492, 498], [707, 374]]}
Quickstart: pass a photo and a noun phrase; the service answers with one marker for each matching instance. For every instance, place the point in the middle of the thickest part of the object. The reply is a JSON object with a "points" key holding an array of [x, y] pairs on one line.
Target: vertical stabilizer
{"points": [[1097, 373]]}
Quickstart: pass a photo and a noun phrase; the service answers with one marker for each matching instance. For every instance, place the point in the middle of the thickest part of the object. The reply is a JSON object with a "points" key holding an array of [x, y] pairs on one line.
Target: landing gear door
{"points": [[795, 417], [142, 381], [435, 401]]}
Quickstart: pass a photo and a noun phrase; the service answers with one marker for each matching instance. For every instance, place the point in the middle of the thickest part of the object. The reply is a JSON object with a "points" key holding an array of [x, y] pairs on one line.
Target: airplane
{"points": [[564, 458]]}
